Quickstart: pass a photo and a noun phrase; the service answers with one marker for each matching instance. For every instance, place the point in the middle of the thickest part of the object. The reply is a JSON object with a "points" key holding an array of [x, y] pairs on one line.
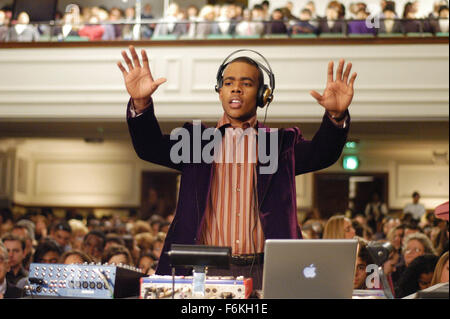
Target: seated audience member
{"points": [[362, 231], [75, 257], [411, 25], [115, 16], [412, 228], [25, 230], [47, 252], [144, 241], [7, 289], [206, 23], [440, 274], [395, 236], [313, 229], [131, 245], [146, 263], [41, 227], [93, 29], [158, 244], [147, 29], [117, 255], [62, 233], [441, 24], [338, 227], [363, 260], [71, 24], [276, 25], [171, 24], [417, 276], [304, 24], [331, 22], [359, 26], [94, 244], [15, 247], [415, 245], [249, 27], [386, 225], [141, 226], [226, 25], [113, 240], [23, 31], [389, 22], [3, 27], [79, 230]]}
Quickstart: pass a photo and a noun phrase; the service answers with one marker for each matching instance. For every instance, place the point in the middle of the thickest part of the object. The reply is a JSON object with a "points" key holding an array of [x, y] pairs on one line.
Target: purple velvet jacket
{"points": [[276, 192]]}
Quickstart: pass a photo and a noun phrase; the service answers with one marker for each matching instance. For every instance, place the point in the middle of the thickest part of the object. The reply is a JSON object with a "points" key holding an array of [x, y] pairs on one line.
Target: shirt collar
{"points": [[225, 122]]}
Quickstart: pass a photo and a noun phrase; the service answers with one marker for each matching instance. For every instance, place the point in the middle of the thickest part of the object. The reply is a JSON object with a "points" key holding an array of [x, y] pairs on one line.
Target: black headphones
{"points": [[265, 93]]}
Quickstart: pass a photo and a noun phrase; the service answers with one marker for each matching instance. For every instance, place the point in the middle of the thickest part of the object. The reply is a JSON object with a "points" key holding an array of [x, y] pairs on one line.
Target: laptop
{"points": [[309, 268]]}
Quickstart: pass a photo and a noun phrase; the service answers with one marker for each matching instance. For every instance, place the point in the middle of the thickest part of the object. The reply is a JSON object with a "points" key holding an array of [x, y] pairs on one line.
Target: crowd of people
{"points": [[419, 241], [419, 258], [229, 20]]}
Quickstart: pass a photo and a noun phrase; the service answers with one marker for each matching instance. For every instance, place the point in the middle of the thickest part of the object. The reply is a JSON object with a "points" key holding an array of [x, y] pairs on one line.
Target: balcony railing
{"points": [[146, 29]]}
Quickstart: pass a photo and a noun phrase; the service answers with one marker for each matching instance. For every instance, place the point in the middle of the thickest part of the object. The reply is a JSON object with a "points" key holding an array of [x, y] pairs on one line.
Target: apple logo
{"points": [[310, 271]]}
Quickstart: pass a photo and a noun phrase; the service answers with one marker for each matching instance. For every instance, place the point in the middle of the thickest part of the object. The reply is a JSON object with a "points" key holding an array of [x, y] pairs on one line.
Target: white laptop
{"points": [[313, 268]]}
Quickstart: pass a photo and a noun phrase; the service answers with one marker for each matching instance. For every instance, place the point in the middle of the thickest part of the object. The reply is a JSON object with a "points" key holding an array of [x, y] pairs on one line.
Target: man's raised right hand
{"points": [[138, 79]]}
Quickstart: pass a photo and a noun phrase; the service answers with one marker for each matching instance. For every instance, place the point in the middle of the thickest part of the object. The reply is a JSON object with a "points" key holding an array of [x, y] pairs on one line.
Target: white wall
{"points": [[395, 82]]}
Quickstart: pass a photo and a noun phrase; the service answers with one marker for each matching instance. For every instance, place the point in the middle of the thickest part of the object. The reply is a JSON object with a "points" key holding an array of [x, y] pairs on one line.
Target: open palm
{"points": [[138, 79], [338, 93]]}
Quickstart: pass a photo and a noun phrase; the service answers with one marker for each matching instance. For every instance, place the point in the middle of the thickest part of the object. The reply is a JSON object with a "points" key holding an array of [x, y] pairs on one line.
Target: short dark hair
{"points": [[441, 8], [252, 62], [97, 233], [62, 225], [44, 247], [11, 237]]}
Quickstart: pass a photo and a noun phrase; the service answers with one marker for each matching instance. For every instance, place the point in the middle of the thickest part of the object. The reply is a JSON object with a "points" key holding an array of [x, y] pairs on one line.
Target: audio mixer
{"points": [[103, 281]]}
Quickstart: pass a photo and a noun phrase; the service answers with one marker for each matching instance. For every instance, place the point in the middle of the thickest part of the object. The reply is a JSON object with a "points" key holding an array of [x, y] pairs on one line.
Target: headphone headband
{"points": [[267, 69]]}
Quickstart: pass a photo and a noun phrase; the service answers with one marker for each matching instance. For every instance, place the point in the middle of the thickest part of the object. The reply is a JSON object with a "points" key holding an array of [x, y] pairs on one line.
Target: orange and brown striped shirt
{"points": [[231, 217]]}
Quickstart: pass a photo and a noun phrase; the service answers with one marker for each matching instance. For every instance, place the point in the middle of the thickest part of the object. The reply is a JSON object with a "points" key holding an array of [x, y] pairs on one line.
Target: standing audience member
{"points": [[440, 274], [417, 276], [338, 227], [16, 254], [7, 289], [415, 208]]}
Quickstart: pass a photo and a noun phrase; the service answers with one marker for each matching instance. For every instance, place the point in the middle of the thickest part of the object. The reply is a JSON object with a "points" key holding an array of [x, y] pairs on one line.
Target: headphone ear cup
{"points": [[262, 98]]}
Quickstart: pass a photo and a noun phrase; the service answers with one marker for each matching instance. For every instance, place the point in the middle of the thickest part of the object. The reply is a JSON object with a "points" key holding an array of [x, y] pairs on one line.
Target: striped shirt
{"points": [[231, 217]]}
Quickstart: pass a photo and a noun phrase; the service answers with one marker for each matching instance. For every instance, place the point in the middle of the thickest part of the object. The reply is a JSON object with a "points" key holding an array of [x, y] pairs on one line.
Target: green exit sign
{"points": [[350, 162]]}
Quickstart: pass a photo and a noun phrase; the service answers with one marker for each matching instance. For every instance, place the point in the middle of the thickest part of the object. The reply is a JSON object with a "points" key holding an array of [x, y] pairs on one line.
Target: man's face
{"points": [[62, 237], [93, 246], [239, 90], [4, 268], [15, 252], [360, 274]]}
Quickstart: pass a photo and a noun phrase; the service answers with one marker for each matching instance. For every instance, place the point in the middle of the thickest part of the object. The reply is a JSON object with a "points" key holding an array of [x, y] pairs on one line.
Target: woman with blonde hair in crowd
{"points": [[338, 227], [440, 274]]}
